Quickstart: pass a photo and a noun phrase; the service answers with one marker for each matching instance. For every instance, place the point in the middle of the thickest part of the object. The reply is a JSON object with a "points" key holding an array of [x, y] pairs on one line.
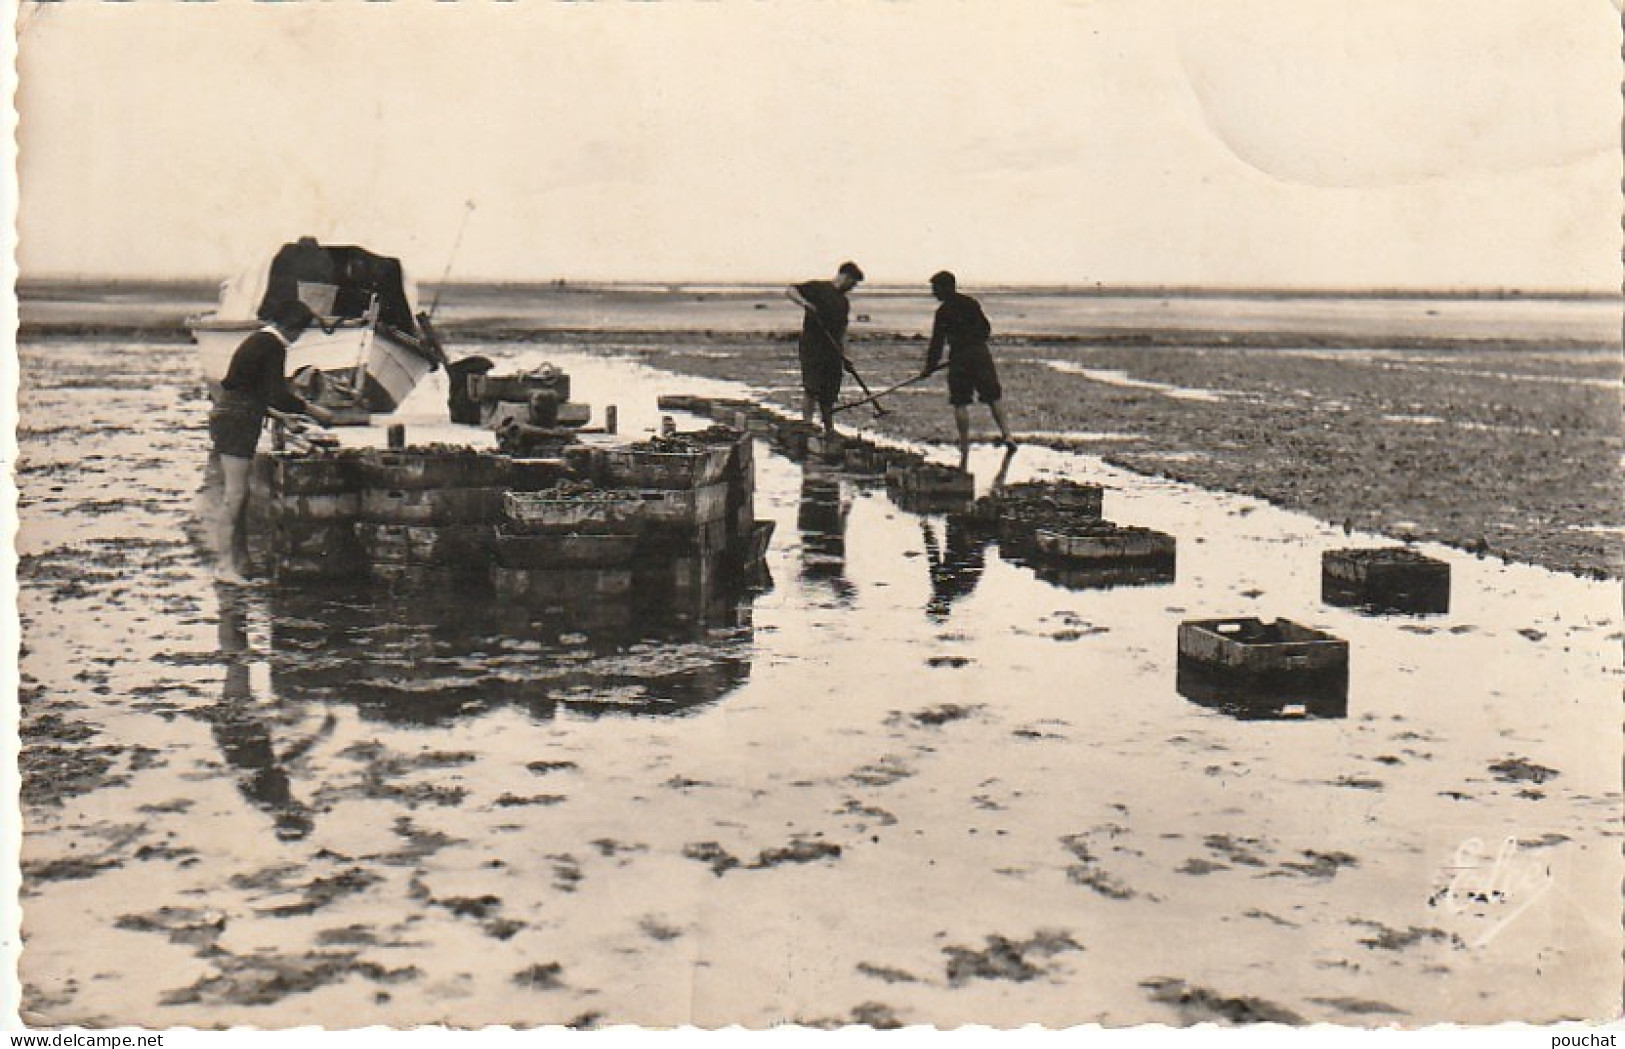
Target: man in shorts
{"points": [[963, 328], [253, 388], [823, 339]]}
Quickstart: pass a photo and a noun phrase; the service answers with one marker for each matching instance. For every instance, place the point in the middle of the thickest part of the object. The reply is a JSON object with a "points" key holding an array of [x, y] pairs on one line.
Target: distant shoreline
{"points": [[41, 288], [479, 333]]}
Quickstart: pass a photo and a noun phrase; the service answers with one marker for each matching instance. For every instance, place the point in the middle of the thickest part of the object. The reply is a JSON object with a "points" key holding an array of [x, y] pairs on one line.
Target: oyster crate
{"points": [[1396, 579], [1256, 665], [288, 509], [525, 550], [1104, 575], [417, 469], [517, 388], [1076, 498], [647, 468], [791, 436], [466, 546], [294, 473], [1101, 541], [830, 448], [432, 506], [931, 479], [861, 457], [628, 510]]}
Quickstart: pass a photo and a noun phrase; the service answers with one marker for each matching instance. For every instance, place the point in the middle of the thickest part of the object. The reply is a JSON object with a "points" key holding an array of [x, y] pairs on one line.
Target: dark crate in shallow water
{"points": [[629, 511], [530, 551], [293, 473], [1253, 668], [1385, 579], [827, 448], [790, 436], [1101, 541], [432, 506], [451, 546], [934, 480], [308, 509], [1104, 575], [861, 457], [517, 389], [1071, 496], [418, 469], [648, 468]]}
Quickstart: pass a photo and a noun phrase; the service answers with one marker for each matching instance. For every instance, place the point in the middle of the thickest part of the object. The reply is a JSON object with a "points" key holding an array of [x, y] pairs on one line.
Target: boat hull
{"points": [[393, 367]]}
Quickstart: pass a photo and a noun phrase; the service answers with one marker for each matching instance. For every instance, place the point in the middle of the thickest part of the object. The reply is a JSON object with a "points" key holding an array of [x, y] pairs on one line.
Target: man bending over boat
{"points": [[253, 388]]}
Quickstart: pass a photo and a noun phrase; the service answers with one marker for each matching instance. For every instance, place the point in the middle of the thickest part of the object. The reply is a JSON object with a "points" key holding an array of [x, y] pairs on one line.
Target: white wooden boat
{"points": [[371, 345]]}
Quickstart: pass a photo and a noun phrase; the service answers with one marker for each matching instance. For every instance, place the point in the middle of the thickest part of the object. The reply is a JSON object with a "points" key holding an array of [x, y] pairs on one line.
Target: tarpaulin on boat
{"points": [[340, 281]]}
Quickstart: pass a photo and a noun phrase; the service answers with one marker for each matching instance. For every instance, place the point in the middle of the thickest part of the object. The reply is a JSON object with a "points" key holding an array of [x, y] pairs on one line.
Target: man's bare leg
{"points": [[1004, 429], [227, 525], [962, 423]]}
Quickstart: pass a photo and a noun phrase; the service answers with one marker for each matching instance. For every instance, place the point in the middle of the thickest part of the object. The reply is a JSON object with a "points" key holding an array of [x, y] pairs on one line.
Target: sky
{"points": [[1347, 143]]}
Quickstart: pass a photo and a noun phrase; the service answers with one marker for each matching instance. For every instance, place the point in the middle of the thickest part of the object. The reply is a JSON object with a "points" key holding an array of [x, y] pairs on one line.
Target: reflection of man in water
{"points": [[956, 567], [245, 738], [822, 521]]}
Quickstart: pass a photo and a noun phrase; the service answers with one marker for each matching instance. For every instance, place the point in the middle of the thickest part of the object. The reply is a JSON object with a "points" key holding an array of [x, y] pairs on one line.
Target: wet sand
{"points": [[910, 783]]}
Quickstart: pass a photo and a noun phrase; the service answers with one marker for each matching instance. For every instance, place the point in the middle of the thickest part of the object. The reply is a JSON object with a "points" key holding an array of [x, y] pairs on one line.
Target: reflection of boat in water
{"points": [[423, 661], [372, 345]]}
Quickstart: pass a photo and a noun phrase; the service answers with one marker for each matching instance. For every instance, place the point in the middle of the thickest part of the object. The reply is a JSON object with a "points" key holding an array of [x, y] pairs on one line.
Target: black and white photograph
{"points": [[828, 515]]}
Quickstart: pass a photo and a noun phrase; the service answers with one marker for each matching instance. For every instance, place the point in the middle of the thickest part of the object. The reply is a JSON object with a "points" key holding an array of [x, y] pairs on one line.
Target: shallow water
{"points": [[910, 782]]}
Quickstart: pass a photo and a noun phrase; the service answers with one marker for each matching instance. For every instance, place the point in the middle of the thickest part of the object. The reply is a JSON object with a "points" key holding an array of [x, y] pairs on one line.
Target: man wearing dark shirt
{"points": [[963, 328], [823, 339], [254, 387]]}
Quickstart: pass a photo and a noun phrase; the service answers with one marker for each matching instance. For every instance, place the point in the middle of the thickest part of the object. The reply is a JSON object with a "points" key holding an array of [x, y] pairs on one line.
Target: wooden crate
{"points": [[1250, 668], [418, 469], [465, 546], [432, 506], [1102, 541], [1385, 579], [1105, 575], [630, 510], [1071, 496], [292, 473], [516, 388], [561, 551], [931, 479], [647, 468], [310, 508]]}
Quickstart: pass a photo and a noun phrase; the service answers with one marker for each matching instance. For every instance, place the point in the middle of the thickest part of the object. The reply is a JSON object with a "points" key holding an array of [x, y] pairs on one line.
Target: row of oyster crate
{"points": [[681, 512]]}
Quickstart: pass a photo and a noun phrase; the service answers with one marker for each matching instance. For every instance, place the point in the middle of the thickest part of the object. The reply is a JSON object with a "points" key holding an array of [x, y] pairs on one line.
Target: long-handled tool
{"points": [[850, 368], [425, 318], [889, 390]]}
